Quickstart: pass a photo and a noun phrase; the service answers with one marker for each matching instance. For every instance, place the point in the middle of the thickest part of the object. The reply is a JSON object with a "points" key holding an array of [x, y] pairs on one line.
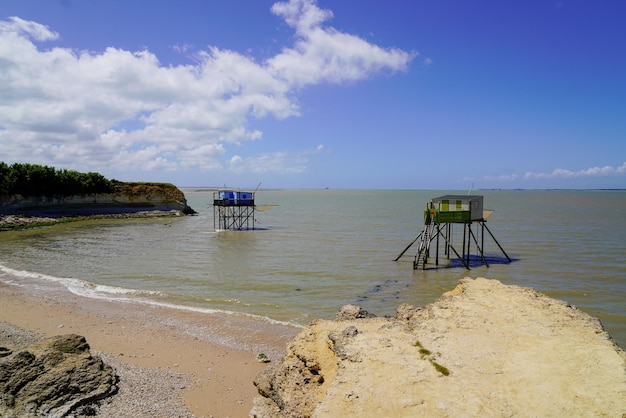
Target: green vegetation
{"points": [[441, 369], [428, 355], [37, 180]]}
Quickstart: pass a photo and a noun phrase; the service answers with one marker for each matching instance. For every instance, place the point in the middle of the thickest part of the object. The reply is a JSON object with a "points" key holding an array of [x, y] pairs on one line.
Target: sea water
{"points": [[315, 250]]}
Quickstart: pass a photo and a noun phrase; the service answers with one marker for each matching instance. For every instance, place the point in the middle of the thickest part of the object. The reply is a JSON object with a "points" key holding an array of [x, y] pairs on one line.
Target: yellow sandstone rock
{"points": [[484, 349]]}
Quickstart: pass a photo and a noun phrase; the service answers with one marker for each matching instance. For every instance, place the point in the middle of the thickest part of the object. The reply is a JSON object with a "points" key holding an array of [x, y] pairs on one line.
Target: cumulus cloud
{"points": [[119, 108], [561, 173], [325, 54], [19, 27]]}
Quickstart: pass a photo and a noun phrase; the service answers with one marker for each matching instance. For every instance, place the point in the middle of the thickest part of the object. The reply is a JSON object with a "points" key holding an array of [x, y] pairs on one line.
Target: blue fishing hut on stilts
{"points": [[439, 217], [233, 210]]}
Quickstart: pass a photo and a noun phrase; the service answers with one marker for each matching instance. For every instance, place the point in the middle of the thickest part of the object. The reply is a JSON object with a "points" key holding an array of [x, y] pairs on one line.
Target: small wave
{"points": [[92, 290], [76, 286], [215, 311]]}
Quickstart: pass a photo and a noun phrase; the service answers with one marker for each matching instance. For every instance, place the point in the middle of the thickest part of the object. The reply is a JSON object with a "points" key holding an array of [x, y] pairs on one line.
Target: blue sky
{"points": [[313, 94]]}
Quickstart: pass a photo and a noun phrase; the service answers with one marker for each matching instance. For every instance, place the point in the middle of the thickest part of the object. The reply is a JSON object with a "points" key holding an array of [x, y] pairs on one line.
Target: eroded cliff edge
{"points": [[483, 349], [127, 198]]}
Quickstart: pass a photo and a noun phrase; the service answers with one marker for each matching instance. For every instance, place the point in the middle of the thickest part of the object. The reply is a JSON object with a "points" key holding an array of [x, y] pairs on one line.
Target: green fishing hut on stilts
{"points": [[440, 217]]}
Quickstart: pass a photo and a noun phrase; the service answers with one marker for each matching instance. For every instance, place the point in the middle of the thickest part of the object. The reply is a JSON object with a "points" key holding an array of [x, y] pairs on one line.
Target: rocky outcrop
{"points": [[52, 377], [483, 349], [128, 198]]}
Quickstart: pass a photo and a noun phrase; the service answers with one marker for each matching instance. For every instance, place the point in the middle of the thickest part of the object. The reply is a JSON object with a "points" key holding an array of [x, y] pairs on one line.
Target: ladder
{"points": [[423, 250]]}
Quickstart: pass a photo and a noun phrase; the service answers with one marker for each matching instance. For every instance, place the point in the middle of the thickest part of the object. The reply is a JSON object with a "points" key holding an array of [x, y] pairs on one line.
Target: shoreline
{"points": [[213, 355], [13, 222]]}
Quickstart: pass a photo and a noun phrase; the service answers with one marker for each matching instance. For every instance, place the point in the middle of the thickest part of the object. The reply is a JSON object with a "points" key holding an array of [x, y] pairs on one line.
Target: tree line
{"points": [[38, 180]]}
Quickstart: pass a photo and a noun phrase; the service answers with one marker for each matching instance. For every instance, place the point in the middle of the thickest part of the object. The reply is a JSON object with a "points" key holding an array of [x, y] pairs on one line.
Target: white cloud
{"points": [[325, 54], [557, 174], [561, 173], [18, 26], [280, 162], [121, 108]]}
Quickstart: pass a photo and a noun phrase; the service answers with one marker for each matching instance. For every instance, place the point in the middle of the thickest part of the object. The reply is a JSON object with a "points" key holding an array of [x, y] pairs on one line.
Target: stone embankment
{"points": [[483, 349]]}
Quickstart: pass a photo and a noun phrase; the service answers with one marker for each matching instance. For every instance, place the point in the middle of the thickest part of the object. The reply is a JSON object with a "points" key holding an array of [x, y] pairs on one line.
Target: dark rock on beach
{"points": [[52, 377]]}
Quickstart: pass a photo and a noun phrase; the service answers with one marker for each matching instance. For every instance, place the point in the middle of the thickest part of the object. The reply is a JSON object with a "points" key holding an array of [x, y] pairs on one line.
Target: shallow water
{"points": [[320, 249]]}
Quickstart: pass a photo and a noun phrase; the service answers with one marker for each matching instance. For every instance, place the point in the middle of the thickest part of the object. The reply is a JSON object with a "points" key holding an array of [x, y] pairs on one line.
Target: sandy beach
{"points": [[203, 364]]}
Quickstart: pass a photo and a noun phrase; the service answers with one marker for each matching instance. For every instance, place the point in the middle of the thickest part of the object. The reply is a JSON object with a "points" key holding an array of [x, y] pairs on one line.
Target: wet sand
{"points": [[216, 354]]}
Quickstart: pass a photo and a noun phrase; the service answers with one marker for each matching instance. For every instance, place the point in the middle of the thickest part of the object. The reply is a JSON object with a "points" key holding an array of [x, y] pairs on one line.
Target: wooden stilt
{"points": [[496, 241], [407, 247], [480, 250]]}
